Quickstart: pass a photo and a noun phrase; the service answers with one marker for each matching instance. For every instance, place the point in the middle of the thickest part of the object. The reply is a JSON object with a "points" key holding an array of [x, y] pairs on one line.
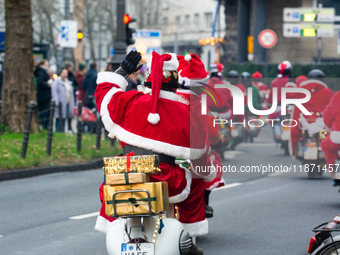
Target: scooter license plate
{"points": [[234, 133], [138, 248], [285, 135], [311, 153]]}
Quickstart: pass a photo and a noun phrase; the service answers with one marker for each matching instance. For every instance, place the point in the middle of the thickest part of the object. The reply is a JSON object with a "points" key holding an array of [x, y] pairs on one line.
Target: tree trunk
{"points": [[18, 80]]}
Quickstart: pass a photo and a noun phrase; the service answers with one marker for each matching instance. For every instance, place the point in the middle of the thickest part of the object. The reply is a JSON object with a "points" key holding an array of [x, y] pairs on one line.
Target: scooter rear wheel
{"points": [[330, 249]]}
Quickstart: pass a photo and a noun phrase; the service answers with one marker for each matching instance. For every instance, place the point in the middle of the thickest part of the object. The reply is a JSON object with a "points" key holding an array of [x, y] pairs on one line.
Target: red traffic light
{"points": [[127, 19]]}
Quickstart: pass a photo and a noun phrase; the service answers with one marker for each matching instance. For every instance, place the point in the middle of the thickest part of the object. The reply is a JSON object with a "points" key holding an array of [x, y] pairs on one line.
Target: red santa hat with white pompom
{"points": [[193, 73], [157, 65]]}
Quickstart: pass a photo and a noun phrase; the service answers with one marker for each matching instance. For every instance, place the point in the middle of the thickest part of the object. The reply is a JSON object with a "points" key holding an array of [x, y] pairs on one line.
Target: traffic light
{"points": [[129, 31], [80, 35]]}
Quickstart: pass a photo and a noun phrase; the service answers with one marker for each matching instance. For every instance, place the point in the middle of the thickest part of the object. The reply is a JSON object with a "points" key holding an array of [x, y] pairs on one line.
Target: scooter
{"points": [[150, 233], [308, 151], [326, 240]]}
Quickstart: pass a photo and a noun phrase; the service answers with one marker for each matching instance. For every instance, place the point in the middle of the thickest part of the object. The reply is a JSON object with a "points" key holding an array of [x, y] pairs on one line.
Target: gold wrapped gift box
{"points": [[126, 178], [148, 164], [134, 203]]}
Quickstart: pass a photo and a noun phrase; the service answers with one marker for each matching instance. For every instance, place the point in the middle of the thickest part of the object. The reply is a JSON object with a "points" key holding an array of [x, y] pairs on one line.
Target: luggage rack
{"points": [[148, 202]]}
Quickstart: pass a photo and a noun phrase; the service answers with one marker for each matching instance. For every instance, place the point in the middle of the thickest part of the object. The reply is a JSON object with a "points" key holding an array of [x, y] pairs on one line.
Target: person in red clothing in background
{"points": [[285, 73], [193, 77], [320, 96], [80, 75], [331, 144]]}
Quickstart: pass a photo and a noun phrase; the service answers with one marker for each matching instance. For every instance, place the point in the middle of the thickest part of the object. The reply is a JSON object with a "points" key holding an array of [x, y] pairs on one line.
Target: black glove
{"points": [[130, 62]]}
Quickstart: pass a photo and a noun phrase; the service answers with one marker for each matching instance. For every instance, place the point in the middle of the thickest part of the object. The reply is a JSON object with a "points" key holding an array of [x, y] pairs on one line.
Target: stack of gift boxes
{"points": [[131, 173]]}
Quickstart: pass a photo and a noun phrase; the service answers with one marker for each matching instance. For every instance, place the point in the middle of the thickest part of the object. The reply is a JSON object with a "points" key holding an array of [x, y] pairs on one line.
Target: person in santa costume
{"points": [[263, 89], [193, 79], [320, 96], [151, 123], [285, 73], [331, 144]]}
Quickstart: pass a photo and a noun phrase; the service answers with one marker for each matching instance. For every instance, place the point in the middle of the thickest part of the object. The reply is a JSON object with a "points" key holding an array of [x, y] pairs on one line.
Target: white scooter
{"points": [[149, 234]]}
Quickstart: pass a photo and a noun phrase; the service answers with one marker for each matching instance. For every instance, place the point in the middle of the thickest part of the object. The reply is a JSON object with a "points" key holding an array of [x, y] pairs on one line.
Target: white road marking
{"points": [[231, 185], [274, 174], [84, 216], [231, 154]]}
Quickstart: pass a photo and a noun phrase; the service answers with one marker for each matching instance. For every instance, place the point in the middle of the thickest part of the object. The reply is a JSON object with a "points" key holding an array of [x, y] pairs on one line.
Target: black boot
{"points": [[209, 211]]}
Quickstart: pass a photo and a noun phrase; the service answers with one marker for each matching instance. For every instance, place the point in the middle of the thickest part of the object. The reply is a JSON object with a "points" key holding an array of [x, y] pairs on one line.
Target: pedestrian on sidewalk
{"points": [[62, 92]]}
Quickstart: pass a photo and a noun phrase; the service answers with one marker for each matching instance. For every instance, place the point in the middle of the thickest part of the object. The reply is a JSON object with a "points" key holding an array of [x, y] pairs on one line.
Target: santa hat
{"points": [[157, 65], [193, 72], [257, 75], [285, 65]]}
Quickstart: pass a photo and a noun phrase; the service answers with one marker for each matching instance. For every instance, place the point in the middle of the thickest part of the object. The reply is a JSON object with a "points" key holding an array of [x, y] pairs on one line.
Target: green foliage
{"points": [[64, 150]]}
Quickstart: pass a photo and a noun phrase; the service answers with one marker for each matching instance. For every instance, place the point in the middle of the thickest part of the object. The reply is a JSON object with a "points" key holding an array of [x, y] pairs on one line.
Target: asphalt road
{"points": [[256, 213]]}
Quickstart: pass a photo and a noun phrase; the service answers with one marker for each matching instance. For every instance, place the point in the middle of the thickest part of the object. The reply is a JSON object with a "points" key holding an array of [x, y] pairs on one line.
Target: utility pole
{"points": [[119, 44], [67, 51]]}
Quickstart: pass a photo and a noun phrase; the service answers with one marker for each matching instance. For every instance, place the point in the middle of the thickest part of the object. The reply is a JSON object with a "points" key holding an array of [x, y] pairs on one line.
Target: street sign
{"points": [[267, 38], [322, 15], [146, 41], [308, 30], [250, 44], [69, 30]]}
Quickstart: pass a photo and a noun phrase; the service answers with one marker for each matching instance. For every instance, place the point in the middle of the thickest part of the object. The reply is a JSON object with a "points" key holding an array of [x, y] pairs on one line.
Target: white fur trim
{"points": [[187, 57], [216, 184], [112, 78], [139, 141], [170, 65], [192, 82], [199, 228], [313, 81], [102, 224], [185, 193], [154, 118], [168, 95], [224, 115], [335, 137]]}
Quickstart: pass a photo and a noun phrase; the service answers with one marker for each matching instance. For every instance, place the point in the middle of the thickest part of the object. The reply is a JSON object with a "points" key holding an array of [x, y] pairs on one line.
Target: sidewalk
{"points": [[30, 172]]}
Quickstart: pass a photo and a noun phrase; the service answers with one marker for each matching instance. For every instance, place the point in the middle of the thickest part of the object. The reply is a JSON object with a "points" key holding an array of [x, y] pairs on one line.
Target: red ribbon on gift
{"points": [[128, 161]]}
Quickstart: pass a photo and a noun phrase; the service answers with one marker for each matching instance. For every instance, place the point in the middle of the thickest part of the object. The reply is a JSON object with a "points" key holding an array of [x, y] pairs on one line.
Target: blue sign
{"points": [[65, 33], [124, 247], [147, 34], [112, 52], [2, 41], [296, 15], [156, 49], [295, 30]]}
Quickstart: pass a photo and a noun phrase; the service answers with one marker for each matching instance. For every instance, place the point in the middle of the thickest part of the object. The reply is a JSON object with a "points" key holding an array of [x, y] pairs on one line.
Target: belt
{"points": [[140, 151]]}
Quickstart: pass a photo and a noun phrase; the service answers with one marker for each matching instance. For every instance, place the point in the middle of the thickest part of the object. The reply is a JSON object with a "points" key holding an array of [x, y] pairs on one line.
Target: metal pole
{"points": [[0, 122], [50, 129], [67, 51], [120, 44], [79, 125], [266, 63], [60, 126], [27, 129], [319, 50], [99, 132]]}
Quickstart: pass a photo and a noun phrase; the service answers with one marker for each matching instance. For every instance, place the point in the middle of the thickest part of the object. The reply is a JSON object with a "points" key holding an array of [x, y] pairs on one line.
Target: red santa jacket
{"points": [[331, 117], [125, 115], [277, 83]]}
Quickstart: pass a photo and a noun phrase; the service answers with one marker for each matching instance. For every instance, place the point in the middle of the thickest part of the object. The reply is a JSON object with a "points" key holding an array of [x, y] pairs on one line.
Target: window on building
{"points": [[208, 20], [187, 22], [197, 21], [178, 23], [165, 25]]}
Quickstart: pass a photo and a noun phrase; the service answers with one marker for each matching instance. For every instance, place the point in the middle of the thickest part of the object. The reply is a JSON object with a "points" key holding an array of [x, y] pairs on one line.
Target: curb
{"points": [[30, 172]]}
